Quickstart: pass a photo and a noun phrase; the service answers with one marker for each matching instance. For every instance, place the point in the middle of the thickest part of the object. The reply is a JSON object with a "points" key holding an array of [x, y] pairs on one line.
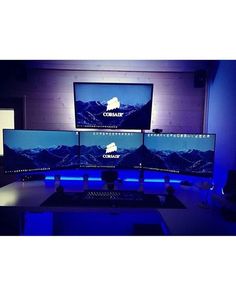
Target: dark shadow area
{"points": [[10, 221], [6, 179], [212, 70]]}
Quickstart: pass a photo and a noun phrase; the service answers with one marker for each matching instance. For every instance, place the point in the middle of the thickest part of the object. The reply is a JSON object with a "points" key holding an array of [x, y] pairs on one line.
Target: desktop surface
{"points": [[105, 198], [194, 220], [43, 194]]}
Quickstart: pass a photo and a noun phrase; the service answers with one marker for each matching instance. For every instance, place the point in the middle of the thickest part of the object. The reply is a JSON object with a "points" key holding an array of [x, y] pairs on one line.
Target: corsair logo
{"points": [[109, 149], [112, 104]]}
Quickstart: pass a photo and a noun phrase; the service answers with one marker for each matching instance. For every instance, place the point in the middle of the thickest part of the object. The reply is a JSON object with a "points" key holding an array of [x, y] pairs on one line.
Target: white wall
{"points": [[177, 105]]}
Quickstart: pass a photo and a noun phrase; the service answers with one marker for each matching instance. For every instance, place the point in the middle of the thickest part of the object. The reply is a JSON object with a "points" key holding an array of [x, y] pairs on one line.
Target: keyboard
{"points": [[113, 195]]}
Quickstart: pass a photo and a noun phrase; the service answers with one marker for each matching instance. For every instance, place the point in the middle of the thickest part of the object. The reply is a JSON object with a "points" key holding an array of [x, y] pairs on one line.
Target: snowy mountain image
{"points": [[97, 156], [37, 158], [190, 162], [99, 114]]}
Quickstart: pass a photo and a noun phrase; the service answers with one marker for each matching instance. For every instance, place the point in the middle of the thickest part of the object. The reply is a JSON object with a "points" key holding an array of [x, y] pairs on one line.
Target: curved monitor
{"points": [[31, 150], [111, 149], [113, 106], [191, 154]]}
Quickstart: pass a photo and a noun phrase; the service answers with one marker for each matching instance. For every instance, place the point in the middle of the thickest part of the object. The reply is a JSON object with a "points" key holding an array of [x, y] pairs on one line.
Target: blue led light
{"points": [[154, 180], [71, 178], [64, 178], [49, 178], [160, 181]]}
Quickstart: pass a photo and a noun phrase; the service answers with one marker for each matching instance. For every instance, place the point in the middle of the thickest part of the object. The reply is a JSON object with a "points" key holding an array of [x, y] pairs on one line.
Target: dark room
{"points": [[117, 147]]}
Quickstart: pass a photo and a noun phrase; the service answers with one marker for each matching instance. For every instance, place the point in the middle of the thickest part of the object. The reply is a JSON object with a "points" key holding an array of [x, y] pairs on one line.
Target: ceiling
{"points": [[123, 65]]}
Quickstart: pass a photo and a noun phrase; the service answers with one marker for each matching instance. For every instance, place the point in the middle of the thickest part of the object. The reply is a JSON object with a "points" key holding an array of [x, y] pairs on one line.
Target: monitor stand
{"points": [[141, 180], [85, 182]]}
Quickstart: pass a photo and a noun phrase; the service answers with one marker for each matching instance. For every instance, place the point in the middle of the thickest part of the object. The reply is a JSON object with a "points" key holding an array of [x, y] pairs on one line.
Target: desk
{"points": [[25, 198], [34, 193], [194, 220]]}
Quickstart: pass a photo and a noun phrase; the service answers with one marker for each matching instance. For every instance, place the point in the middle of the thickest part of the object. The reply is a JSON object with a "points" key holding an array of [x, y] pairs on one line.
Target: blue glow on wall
{"points": [[222, 119]]}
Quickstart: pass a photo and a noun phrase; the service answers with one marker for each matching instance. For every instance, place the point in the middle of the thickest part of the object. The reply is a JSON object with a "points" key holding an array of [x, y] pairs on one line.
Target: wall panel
{"points": [[177, 105]]}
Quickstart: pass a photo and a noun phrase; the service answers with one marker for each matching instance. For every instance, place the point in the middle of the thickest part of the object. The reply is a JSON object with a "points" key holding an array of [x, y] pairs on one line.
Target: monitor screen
{"points": [[27, 150], [113, 106], [180, 153], [111, 149]]}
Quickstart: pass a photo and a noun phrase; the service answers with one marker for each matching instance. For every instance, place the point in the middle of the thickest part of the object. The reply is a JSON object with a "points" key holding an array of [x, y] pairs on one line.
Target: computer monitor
{"points": [[111, 149], [191, 154], [113, 105], [31, 150]]}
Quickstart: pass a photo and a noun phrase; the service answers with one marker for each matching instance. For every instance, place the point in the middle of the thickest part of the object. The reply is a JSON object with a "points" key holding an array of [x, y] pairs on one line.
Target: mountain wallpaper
{"points": [[135, 116], [37, 158], [192, 161], [93, 156]]}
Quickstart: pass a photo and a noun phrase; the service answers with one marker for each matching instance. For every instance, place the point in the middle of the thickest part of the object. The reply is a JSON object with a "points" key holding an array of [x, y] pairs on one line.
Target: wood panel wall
{"points": [[177, 105]]}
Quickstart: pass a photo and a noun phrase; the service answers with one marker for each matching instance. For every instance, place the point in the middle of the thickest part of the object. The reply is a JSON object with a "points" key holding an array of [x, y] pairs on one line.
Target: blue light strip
{"points": [[130, 180], [160, 181], [64, 178]]}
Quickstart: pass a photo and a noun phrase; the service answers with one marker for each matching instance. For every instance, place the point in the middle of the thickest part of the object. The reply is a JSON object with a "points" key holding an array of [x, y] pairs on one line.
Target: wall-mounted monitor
{"points": [[31, 150], [111, 149], [191, 154], [113, 105]]}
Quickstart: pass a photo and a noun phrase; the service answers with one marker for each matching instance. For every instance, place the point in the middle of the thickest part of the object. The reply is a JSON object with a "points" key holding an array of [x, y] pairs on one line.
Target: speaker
{"points": [[110, 177], [200, 79]]}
